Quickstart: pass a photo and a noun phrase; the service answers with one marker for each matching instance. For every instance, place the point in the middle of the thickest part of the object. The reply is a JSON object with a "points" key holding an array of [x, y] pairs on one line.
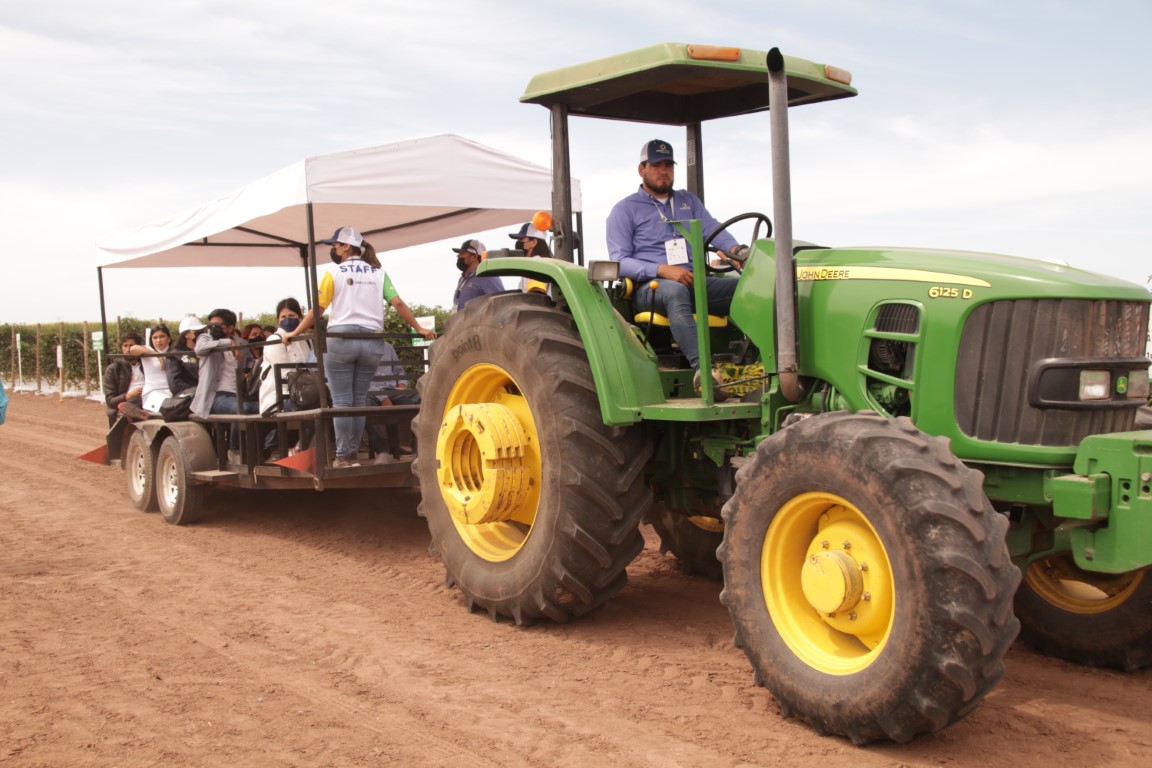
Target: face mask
{"points": [[461, 264], [332, 253], [290, 323]]}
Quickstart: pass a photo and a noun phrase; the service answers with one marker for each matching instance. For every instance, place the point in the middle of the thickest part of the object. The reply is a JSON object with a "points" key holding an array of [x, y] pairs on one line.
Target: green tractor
{"points": [[915, 430]]}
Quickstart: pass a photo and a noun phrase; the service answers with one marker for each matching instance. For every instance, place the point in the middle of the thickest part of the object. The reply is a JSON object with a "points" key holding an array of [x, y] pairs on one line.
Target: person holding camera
{"points": [[218, 360]]}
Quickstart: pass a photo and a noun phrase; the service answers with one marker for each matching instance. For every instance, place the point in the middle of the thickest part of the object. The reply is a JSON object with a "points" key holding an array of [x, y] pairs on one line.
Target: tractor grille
{"points": [[1001, 342]]}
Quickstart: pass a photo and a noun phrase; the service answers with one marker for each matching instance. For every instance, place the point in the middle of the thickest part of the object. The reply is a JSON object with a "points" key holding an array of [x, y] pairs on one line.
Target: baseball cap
{"points": [[345, 235], [471, 246], [190, 323], [529, 231], [656, 151]]}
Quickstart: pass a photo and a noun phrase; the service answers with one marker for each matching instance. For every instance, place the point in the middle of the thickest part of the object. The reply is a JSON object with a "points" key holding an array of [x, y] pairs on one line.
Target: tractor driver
{"points": [[648, 246]]}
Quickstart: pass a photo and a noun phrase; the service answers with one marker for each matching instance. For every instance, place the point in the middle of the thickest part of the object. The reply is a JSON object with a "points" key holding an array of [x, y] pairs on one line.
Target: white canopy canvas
{"points": [[396, 195]]}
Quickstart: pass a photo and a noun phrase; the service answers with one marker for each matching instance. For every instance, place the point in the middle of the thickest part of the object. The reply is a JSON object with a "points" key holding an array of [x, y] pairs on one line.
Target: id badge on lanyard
{"points": [[676, 249]]}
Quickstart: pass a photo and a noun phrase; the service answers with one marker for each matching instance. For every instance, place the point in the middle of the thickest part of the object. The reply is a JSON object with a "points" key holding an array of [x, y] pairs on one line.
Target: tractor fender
{"points": [[626, 377]]}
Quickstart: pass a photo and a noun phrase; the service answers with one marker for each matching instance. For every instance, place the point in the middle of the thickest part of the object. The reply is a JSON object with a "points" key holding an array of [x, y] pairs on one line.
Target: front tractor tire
{"points": [[868, 577], [532, 502], [1097, 619]]}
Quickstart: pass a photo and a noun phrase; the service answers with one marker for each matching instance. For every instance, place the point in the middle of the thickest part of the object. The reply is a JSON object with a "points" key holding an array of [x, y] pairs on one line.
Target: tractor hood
{"points": [[921, 270]]}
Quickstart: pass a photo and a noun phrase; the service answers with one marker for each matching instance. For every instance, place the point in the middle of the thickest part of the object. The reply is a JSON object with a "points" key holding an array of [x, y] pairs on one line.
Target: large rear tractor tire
{"points": [[181, 499], [868, 577], [693, 539], [1098, 619], [139, 466], [532, 502]]}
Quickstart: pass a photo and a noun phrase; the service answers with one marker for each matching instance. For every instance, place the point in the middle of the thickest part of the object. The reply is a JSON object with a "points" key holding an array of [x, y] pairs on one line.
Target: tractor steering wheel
{"points": [[760, 218]]}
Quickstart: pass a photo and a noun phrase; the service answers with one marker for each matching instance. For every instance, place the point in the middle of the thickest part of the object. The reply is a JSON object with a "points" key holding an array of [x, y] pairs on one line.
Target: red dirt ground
{"points": [[305, 629]]}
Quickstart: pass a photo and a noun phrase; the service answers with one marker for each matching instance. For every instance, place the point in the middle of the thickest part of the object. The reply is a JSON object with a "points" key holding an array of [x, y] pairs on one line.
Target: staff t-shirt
{"points": [[353, 289]]}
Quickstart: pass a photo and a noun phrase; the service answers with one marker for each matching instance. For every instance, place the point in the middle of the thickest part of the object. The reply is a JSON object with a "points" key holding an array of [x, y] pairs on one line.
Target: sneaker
{"points": [[719, 393], [383, 458], [344, 463], [135, 412]]}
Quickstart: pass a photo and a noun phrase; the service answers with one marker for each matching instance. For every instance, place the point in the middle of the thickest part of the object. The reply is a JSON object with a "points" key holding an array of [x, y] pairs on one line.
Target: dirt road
{"points": [[314, 630]]}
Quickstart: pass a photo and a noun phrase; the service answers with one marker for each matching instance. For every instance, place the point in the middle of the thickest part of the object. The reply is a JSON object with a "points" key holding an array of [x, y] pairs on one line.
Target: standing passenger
{"points": [[355, 288]]}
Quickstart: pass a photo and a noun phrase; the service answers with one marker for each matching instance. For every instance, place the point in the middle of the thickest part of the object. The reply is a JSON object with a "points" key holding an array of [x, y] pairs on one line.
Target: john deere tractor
{"points": [[929, 451]]}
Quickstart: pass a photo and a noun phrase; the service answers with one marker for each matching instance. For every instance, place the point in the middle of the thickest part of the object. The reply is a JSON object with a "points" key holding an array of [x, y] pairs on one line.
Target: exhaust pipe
{"points": [[786, 365]]}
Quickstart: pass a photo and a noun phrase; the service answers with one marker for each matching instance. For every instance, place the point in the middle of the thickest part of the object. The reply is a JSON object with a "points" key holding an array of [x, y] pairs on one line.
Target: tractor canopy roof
{"points": [[679, 84]]}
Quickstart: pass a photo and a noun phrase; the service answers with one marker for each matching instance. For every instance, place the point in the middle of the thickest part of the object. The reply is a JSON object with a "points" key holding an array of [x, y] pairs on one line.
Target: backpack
{"points": [[304, 389]]}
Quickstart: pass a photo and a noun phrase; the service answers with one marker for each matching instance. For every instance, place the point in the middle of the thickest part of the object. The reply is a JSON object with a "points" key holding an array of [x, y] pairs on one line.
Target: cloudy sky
{"points": [[1018, 127]]}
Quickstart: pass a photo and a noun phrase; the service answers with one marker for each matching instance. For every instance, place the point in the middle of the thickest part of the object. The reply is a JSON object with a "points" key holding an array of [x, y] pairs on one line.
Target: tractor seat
{"points": [[643, 318], [656, 319]]}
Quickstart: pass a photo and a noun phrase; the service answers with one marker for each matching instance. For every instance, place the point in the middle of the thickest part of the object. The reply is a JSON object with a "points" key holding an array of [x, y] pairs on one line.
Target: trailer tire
{"points": [[1096, 619], [140, 469], [532, 502], [868, 577], [181, 499], [692, 539]]}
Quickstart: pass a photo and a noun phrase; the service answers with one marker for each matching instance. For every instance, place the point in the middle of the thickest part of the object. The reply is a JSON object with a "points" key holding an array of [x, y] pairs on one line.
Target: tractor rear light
{"points": [[1095, 385], [1137, 385], [837, 75]]}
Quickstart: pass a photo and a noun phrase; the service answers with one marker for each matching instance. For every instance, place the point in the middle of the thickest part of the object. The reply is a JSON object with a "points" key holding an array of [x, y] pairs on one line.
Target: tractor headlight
{"points": [[1088, 382], [1095, 385]]}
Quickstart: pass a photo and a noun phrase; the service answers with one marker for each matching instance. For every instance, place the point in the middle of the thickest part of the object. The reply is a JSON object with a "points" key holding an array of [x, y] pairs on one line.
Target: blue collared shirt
{"points": [[472, 286], [640, 225]]}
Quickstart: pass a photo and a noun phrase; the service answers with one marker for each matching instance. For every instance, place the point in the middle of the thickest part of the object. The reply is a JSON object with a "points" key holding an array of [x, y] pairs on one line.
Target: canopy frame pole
{"points": [[314, 300]]}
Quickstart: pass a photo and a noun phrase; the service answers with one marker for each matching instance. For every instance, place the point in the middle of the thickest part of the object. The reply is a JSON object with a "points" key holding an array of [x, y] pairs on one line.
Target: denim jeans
{"points": [[676, 302], [350, 365], [225, 402]]}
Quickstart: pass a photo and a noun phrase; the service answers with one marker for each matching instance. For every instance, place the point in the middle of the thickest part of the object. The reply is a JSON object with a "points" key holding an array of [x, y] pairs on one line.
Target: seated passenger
{"points": [[389, 387], [218, 361], [123, 378], [288, 314], [184, 371], [472, 286], [156, 389], [534, 243]]}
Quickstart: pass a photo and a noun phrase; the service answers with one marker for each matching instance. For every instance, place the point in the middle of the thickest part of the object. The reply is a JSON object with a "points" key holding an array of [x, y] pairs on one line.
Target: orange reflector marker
{"points": [[837, 75], [542, 220], [96, 455], [713, 53]]}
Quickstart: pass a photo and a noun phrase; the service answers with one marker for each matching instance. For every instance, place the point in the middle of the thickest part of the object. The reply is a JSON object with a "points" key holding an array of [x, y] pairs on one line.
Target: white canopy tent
{"points": [[397, 195]]}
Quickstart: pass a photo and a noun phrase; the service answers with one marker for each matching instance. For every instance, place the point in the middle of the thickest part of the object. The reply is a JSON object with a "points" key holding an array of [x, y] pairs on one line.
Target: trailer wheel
{"points": [[1098, 619], [693, 539], [532, 502], [868, 577], [180, 498], [139, 465]]}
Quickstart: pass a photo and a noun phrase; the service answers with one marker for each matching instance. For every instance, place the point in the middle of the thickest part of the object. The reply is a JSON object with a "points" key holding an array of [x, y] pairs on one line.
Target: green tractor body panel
{"points": [[1113, 485]]}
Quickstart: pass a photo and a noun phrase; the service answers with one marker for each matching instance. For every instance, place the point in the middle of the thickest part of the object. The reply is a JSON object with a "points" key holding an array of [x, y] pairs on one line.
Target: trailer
{"points": [[398, 195]]}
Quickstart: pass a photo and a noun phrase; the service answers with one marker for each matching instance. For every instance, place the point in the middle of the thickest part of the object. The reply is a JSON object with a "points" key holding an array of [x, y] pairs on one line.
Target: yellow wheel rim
{"points": [[488, 459], [1059, 582], [827, 583], [709, 524]]}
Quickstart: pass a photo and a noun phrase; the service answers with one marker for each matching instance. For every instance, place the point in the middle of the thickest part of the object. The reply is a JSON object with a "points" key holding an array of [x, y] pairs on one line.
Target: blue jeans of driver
{"points": [[677, 301], [349, 365]]}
